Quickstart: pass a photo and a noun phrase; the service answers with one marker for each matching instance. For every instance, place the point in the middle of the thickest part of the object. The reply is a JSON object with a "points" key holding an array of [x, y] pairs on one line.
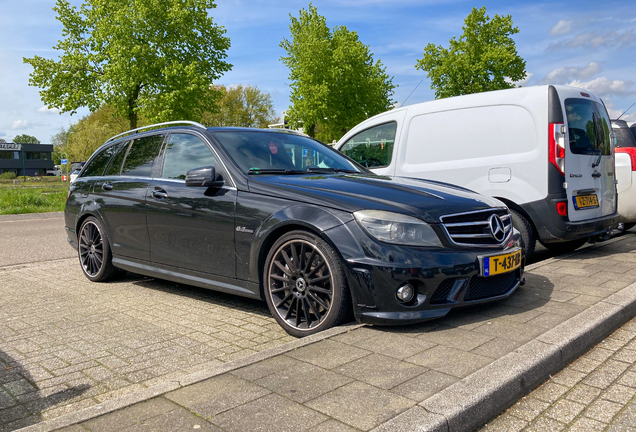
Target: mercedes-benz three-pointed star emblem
{"points": [[496, 228]]}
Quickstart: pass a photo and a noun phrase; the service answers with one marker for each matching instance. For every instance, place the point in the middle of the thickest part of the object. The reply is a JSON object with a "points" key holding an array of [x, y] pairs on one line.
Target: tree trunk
{"points": [[132, 103]]}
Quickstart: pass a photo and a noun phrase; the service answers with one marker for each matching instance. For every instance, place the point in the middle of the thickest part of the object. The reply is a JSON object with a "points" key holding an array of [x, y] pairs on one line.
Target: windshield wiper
{"points": [[273, 171], [330, 170]]}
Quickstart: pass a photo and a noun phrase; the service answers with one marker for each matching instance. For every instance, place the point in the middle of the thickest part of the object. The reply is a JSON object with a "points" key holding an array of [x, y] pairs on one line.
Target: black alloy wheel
{"points": [[306, 287], [94, 252]]}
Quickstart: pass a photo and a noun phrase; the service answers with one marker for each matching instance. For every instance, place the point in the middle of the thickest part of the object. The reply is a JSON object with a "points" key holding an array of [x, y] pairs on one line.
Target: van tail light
{"points": [[562, 208], [556, 146], [631, 151]]}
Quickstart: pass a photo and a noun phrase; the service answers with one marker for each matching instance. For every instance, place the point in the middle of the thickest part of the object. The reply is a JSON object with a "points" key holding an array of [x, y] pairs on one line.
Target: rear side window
{"points": [[372, 147], [183, 153], [588, 127], [119, 150], [624, 137], [98, 163], [141, 156]]}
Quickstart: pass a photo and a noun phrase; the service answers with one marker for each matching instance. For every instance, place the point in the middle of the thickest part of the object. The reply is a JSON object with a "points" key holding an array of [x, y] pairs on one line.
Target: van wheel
{"points": [[527, 232], [565, 247], [305, 285]]}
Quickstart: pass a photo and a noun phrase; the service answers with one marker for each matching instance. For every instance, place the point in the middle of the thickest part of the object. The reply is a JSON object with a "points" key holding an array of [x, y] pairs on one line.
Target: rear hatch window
{"points": [[588, 127]]}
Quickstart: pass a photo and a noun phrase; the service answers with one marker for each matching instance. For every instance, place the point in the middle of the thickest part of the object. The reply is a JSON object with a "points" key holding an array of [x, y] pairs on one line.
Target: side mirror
{"points": [[203, 177]]}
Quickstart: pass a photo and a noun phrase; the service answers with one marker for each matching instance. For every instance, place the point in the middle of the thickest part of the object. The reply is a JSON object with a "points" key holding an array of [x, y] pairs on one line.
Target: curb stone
{"points": [[479, 397]]}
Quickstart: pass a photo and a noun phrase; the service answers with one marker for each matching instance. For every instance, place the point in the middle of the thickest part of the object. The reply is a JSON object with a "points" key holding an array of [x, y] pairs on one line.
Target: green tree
{"points": [[26, 139], [156, 58], [481, 60], [2, 140], [244, 106], [335, 84]]}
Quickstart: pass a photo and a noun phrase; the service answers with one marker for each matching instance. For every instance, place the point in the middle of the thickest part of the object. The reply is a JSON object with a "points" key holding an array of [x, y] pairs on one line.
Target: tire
{"points": [[305, 285], [93, 250], [528, 235], [565, 247]]}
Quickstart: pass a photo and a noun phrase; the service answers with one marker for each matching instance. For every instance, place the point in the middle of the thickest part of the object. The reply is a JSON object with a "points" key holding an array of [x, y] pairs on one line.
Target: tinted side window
{"points": [[183, 153], [120, 152], [141, 155], [97, 165], [372, 147], [588, 127], [624, 137]]}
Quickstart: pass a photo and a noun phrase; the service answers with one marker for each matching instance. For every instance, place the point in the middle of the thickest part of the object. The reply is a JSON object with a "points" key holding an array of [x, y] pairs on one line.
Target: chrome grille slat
{"points": [[463, 229]]}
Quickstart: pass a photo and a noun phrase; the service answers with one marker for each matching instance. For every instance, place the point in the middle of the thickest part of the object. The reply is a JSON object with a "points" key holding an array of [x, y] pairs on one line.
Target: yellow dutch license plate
{"points": [[585, 201], [497, 264]]}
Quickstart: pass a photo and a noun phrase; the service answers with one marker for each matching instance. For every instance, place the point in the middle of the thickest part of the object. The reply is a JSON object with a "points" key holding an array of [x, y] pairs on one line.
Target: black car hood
{"points": [[424, 199]]}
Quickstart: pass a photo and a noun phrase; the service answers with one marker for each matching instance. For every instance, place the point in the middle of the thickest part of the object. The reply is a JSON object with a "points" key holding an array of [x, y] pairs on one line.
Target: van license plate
{"points": [[497, 264], [585, 202]]}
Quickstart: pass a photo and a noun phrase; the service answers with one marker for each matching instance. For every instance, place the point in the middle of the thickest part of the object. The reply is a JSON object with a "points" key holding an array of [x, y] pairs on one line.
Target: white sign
{"points": [[10, 146]]}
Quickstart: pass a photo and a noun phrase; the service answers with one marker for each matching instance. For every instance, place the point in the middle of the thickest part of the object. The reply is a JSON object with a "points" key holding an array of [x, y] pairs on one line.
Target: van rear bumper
{"points": [[554, 228]]}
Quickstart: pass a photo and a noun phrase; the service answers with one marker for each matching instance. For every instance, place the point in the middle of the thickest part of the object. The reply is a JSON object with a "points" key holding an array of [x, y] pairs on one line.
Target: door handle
{"points": [[159, 194], [596, 174], [107, 186]]}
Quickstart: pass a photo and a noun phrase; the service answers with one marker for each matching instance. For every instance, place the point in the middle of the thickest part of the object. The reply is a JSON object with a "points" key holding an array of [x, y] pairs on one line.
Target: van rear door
{"points": [[589, 159]]}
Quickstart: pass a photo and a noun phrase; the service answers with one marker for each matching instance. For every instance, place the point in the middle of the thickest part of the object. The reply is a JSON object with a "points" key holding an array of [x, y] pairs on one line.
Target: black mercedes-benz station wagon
{"points": [[276, 215]]}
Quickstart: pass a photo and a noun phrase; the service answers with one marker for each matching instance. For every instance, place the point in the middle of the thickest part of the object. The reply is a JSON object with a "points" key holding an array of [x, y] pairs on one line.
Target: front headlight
{"points": [[397, 228]]}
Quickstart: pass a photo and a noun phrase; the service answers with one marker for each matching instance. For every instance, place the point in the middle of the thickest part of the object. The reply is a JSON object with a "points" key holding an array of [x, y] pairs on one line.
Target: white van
{"points": [[545, 151]]}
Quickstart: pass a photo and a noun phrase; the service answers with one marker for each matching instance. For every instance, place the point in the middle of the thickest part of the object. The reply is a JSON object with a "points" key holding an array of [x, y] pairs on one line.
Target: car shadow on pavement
{"points": [[216, 298], [21, 401]]}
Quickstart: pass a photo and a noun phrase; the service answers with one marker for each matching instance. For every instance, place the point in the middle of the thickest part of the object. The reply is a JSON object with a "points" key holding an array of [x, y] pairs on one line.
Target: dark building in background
{"points": [[35, 159]]}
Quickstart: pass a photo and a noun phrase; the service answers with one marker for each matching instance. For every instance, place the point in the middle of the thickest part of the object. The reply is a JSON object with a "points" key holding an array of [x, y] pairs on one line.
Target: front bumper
{"points": [[443, 278]]}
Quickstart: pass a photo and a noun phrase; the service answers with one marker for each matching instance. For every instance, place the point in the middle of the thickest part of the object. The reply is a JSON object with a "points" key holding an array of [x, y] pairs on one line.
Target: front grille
{"points": [[473, 228], [492, 286]]}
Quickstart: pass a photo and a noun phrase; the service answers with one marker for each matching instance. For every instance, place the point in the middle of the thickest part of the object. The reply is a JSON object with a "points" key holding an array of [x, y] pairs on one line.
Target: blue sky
{"points": [[590, 44]]}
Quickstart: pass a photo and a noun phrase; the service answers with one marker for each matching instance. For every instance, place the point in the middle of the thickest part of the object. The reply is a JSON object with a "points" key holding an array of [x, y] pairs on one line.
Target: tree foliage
{"points": [[244, 106], [156, 58], [335, 84], [26, 139], [81, 139], [481, 60], [2, 140]]}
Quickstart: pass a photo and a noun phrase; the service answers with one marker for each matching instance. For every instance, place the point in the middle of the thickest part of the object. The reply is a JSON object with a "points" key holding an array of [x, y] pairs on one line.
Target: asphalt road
{"points": [[33, 238]]}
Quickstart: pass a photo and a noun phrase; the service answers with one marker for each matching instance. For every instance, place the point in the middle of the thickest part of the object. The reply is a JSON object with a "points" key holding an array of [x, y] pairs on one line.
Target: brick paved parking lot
{"points": [[67, 343], [420, 377]]}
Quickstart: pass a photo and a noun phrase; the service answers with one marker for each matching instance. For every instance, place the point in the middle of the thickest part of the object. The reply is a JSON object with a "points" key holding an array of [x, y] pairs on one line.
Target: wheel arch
{"points": [[516, 207]]}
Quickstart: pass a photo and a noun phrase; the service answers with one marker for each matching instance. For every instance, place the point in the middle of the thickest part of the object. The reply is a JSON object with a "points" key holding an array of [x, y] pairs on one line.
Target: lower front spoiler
{"points": [[412, 317]]}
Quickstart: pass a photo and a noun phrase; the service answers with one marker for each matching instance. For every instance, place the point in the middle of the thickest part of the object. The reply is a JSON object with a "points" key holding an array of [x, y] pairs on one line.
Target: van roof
{"points": [[496, 96]]}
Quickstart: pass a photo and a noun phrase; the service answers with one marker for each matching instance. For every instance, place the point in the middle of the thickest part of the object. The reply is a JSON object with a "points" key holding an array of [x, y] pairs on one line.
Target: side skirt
{"points": [[190, 277]]}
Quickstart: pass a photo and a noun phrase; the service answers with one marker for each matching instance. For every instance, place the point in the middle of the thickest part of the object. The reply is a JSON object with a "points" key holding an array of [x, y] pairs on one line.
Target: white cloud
{"points": [[46, 109], [604, 86], [564, 74], [562, 27], [589, 40], [20, 124]]}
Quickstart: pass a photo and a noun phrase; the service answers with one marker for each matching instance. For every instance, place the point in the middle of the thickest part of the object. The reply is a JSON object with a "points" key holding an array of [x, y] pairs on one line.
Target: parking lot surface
{"points": [[428, 376], [67, 343]]}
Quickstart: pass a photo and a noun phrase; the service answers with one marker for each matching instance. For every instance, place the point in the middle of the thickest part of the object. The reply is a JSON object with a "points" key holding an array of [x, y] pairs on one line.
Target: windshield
{"points": [[262, 152], [588, 127]]}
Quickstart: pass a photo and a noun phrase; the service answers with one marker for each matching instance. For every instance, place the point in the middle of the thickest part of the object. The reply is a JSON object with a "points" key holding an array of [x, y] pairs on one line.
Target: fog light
{"points": [[405, 293]]}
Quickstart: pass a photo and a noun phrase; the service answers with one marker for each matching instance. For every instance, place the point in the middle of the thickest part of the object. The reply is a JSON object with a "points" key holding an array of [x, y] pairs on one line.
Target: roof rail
{"points": [[155, 125]]}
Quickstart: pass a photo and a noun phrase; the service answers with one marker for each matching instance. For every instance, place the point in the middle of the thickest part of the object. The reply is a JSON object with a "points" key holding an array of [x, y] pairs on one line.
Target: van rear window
{"points": [[624, 137], [588, 127]]}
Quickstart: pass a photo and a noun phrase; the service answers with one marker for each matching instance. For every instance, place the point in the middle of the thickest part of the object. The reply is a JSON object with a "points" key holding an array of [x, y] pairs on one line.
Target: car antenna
{"points": [[418, 84], [619, 117]]}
